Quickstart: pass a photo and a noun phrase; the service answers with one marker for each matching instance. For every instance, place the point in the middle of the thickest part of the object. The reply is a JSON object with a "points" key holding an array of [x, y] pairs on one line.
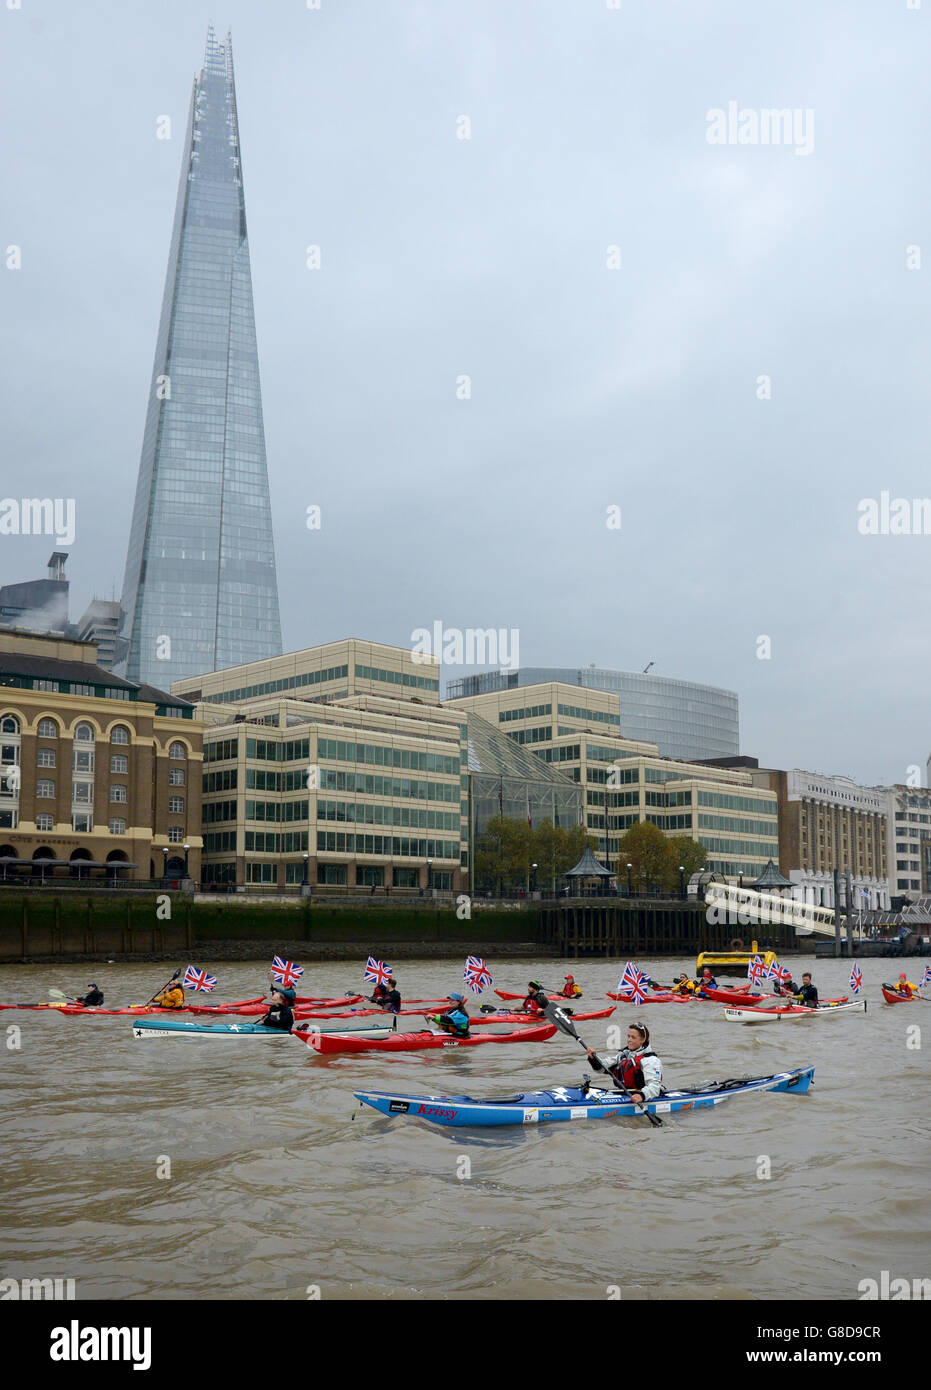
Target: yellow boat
{"points": [[736, 959]]}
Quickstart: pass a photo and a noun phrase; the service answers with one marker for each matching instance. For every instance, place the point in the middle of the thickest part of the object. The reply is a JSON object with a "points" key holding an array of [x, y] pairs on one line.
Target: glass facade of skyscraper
{"points": [[200, 591], [683, 719]]}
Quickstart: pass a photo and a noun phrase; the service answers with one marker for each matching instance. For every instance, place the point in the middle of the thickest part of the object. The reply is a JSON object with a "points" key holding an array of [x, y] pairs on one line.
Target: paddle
{"points": [[179, 971], [556, 1015]]}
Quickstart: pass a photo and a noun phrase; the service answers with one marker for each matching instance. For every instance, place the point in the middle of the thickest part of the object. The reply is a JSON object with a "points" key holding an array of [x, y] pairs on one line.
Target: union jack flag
{"points": [[782, 974], [856, 979], [198, 979], [926, 977], [633, 983], [756, 970], [377, 971], [285, 972], [476, 974]]}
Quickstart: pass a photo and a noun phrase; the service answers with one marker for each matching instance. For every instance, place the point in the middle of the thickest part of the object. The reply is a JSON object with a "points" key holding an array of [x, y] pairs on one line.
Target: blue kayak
{"points": [[200, 1030], [573, 1103]]}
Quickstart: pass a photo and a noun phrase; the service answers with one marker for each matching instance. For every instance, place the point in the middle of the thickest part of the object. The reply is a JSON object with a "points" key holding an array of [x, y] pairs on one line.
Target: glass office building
{"points": [[200, 591], [683, 719]]}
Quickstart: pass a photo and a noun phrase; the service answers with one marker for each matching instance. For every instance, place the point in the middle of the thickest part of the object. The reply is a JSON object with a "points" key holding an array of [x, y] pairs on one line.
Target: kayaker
{"points": [[535, 1001], [391, 999], [93, 998], [377, 995], [705, 981], [456, 1019], [280, 1014], [636, 1068], [681, 984], [785, 987], [905, 987], [171, 997], [570, 989], [807, 994]]}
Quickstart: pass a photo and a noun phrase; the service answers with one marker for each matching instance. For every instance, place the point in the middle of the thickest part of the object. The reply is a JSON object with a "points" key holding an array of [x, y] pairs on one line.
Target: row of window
{"points": [[83, 733], [541, 734], [338, 750], [345, 842], [531, 712], [596, 716], [756, 805], [363, 813], [248, 692], [374, 673]]}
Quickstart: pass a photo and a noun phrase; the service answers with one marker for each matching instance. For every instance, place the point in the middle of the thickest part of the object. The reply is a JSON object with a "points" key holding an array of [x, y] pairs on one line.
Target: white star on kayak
{"points": [[234, 1027]]}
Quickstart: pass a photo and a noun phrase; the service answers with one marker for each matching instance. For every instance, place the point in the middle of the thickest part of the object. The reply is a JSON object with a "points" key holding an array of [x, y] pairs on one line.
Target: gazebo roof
{"points": [[771, 878], [588, 867]]}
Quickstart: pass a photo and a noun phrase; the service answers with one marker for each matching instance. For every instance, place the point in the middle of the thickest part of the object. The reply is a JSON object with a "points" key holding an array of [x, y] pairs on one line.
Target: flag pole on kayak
{"points": [[556, 1015]]}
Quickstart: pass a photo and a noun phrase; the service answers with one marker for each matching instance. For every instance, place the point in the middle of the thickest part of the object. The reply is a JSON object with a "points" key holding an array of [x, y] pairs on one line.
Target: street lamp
{"points": [[533, 881], [187, 851], [305, 856], [681, 880], [429, 875], [629, 884]]}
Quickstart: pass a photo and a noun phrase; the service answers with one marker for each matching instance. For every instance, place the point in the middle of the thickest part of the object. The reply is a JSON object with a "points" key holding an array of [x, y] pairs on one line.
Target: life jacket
{"points": [[171, 999], [905, 987], [631, 1072], [571, 992], [456, 1021]]}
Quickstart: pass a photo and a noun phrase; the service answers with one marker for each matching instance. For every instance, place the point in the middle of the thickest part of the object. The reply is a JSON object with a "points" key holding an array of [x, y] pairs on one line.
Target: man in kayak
{"points": [[905, 987], [93, 998], [455, 1020], [806, 993], [570, 989], [535, 1001], [681, 984], [280, 1014], [171, 997], [636, 1068], [390, 1000]]}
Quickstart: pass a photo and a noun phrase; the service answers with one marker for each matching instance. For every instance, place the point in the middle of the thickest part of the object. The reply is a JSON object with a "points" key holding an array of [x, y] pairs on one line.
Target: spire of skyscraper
{"points": [[200, 590]]}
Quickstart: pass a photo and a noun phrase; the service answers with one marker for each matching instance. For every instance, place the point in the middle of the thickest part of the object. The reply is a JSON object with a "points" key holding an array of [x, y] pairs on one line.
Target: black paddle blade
{"points": [[562, 1020]]}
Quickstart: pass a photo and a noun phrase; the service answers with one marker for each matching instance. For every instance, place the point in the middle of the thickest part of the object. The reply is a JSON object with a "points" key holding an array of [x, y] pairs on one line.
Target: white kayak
{"points": [[793, 1012]]}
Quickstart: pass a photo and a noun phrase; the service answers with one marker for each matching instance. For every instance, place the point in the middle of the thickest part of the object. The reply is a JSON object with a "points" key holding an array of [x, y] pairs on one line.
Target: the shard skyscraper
{"points": [[200, 590]]}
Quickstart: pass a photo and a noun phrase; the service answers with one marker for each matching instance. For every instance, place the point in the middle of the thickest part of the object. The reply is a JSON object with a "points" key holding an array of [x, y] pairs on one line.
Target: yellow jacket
{"points": [[172, 998]]}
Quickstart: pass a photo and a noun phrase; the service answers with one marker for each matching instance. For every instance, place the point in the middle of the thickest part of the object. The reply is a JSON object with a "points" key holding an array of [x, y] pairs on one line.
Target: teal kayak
{"points": [[573, 1103], [201, 1031]]}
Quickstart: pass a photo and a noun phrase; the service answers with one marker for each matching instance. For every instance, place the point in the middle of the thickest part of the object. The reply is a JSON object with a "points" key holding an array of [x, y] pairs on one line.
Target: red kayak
{"points": [[415, 1042], [735, 996], [508, 1017], [423, 1004], [569, 998], [666, 997], [892, 996]]}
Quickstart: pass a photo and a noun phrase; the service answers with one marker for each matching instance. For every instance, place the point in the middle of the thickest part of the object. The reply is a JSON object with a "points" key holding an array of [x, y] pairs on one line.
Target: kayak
{"points": [[511, 1016], [792, 1011], [735, 996], [503, 994], [892, 996], [571, 1103], [437, 1004], [662, 997], [184, 1030], [415, 1042]]}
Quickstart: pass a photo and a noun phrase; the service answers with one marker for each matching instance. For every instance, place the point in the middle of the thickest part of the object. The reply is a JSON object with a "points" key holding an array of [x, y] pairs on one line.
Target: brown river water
{"points": [[275, 1191]]}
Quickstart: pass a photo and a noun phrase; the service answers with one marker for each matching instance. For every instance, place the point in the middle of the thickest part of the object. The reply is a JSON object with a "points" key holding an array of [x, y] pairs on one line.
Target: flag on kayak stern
{"points": [[286, 972], [377, 971], [198, 979], [926, 977], [476, 974], [856, 979], [633, 983]]}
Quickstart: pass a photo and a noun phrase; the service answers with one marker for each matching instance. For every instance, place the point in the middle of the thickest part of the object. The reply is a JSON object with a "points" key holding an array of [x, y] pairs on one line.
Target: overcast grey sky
{"points": [[591, 387]]}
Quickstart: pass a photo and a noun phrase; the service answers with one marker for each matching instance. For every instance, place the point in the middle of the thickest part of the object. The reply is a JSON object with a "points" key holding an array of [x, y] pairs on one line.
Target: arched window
{"points": [[48, 728], [119, 734], [9, 724], [177, 750], [83, 733]]}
